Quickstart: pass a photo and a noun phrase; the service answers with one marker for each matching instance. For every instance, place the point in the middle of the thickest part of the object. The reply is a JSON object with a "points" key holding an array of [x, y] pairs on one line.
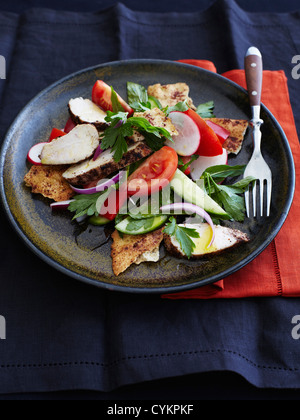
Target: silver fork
{"points": [[257, 166]]}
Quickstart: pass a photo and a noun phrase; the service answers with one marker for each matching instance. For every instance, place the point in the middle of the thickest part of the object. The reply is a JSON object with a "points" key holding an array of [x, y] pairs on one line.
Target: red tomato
{"points": [[210, 145], [155, 173], [69, 125], [55, 133], [101, 96], [114, 203], [221, 132], [185, 160]]}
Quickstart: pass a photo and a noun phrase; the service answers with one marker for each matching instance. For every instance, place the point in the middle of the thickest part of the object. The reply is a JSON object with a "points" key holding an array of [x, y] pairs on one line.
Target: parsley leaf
{"points": [[84, 205], [180, 106], [115, 136], [140, 123], [206, 110], [137, 97], [183, 236], [228, 196], [220, 172]]}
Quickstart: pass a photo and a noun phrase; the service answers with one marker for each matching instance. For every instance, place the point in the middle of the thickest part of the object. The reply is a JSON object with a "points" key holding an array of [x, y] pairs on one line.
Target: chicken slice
{"points": [[84, 111], [225, 238], [94, 170], [76, 146]]}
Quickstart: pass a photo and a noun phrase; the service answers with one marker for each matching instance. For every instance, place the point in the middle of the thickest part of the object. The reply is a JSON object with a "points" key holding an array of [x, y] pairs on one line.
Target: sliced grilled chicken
{"points": [[78, 145], [93, 170], [225, 238], [157, 118], [84, 111], [170, 95]]}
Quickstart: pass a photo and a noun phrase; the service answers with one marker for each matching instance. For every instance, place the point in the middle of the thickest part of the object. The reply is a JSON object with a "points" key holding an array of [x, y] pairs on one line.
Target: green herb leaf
{"points": [[84, 205], [206, 110], [184, 166], [220, 172], [180, 106], [121, 127], [143, 124], [183, 235], [228, 196], [137, 97]]}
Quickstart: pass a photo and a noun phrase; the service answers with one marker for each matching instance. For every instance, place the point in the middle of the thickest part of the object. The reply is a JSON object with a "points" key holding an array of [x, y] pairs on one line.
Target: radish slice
{"points": [[187, 142], [61, 205], [98, 188], [191, 208], [221, 132], [204, 162], [35, 152]]}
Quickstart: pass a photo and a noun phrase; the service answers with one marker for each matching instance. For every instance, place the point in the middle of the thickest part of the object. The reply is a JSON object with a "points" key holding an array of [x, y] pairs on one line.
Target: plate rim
{"points": [[123, 288]]}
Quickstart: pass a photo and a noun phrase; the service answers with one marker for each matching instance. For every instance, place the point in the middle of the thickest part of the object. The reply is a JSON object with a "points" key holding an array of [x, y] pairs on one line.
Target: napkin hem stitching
{"points": [[145, 356], [277, 268]]}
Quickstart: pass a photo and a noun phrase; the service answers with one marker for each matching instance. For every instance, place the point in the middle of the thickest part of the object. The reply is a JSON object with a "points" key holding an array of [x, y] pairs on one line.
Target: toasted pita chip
{"points": [[157, 118], [48, 181], [237, 128], [170, 95], [134, 249]]}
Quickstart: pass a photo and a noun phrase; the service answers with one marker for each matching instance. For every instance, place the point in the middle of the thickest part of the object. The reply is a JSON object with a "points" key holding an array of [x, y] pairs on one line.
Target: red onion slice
{"points": [[97, 153], [99, 188], [191, 208], [61, 205]]}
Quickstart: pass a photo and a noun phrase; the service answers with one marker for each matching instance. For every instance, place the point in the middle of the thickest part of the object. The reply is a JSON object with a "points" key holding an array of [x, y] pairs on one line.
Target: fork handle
{"points": [[254, 75]]}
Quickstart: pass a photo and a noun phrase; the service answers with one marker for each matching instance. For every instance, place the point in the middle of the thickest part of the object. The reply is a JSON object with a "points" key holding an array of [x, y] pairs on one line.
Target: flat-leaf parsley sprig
{"points": [[183, 235], [121, 127]]}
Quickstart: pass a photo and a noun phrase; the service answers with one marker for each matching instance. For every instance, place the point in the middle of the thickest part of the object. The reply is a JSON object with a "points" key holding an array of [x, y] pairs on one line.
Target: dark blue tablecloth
{"points": [[64, 335]]}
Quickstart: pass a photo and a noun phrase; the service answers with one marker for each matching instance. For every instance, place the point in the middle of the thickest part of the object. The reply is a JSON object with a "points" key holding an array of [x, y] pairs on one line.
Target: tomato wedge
{"points": [[55, 133], [69, 126], [114, 203], [155, 173], [101, 96], [210, 144]]}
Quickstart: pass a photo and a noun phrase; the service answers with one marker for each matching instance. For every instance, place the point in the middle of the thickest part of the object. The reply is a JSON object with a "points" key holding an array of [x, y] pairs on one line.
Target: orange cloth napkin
{"points": [[275, 272]]}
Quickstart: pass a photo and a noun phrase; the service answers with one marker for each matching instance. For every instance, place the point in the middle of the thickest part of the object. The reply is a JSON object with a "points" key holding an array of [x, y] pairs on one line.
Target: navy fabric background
{"points": [[63, 335]]}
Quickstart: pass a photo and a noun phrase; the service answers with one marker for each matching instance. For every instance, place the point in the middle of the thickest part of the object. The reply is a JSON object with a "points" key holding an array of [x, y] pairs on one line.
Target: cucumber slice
{"points": [[192, 193], [154, 102], [132, 226], [98, 221]]}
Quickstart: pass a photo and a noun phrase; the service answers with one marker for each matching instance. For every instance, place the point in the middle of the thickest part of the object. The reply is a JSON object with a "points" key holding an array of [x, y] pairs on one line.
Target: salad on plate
{"points": [[154, 168]]}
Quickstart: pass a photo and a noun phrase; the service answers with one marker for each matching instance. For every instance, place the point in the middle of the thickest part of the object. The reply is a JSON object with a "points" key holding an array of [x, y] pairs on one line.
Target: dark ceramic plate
{"points": [[85, 255]]}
